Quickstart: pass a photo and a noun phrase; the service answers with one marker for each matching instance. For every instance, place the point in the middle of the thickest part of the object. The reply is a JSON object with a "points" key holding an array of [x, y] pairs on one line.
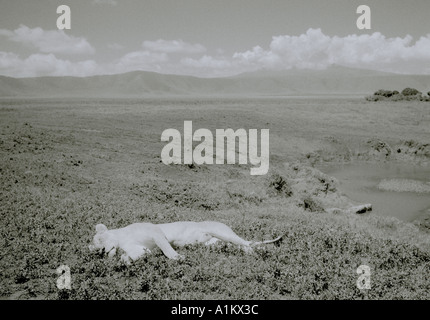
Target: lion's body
{"points": [[139, 238]]}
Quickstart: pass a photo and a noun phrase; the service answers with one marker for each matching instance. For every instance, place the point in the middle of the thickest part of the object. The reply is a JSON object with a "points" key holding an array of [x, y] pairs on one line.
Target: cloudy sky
{"points": [[211, 38]]}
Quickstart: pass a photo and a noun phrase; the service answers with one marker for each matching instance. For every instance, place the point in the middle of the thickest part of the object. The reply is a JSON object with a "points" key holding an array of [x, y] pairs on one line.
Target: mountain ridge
{"points": [[335, 80]]}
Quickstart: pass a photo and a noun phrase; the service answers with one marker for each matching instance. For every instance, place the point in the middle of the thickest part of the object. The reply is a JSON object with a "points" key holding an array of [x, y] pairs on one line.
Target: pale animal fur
{"points": [[138, 239]]}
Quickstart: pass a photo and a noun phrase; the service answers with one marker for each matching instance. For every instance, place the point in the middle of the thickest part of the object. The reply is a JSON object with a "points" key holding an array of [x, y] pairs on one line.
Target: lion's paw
{"points": [[125, 258]]}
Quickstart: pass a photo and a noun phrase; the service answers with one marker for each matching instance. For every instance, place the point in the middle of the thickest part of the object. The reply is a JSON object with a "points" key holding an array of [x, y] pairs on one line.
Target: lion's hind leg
{"points": [[225, 233]]}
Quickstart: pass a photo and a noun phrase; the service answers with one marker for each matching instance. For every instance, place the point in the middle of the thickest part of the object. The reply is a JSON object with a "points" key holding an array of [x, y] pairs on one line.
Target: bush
{"points": [[385, 93], [372, 98], [311, 205], [410, 92], [279, 185]]}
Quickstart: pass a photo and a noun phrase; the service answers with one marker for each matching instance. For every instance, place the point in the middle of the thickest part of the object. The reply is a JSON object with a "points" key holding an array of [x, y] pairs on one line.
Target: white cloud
{"points": [[315, 50], [312, 50], [207, 62], [141, 60], [208, 66], [49, 41], [257, 58], [108, 2], [173, 46], [44, 65], [40, 64]]}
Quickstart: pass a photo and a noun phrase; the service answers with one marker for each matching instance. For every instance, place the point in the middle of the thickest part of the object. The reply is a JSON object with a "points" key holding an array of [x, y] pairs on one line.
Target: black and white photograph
{"points": [[227, 151]]}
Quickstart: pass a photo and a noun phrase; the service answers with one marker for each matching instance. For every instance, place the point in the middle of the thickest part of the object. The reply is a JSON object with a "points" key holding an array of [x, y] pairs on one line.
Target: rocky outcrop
{"points": [[359, 209]]}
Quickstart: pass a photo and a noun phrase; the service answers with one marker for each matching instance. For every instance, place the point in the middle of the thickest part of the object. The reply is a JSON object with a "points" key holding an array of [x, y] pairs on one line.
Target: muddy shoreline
{"points": [[375, 152]]}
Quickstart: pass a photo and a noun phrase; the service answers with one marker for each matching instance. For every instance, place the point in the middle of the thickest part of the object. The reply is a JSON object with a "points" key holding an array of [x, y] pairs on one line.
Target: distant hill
{"points": [[332, 81]]}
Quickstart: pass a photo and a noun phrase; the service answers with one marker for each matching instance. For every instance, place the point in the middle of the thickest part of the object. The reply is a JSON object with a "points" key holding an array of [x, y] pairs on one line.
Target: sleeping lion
{"points": [[138, 239]]}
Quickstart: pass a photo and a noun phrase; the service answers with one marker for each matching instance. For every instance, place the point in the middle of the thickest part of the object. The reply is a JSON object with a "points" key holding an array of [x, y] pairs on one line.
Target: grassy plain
{"points": [[67, 165]]}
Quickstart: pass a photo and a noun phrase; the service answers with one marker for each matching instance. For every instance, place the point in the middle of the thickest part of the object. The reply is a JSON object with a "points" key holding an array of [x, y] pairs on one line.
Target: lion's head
{"points": [[103, 239]]}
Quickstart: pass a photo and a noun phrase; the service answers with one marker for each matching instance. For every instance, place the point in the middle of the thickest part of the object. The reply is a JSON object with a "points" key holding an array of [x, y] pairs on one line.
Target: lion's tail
{"points": [[257, 243]]}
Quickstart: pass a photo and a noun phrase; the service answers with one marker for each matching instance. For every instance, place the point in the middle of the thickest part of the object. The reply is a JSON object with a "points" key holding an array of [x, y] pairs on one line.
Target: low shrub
{"points": [[278, 185], [407, 94], [410, 92]]}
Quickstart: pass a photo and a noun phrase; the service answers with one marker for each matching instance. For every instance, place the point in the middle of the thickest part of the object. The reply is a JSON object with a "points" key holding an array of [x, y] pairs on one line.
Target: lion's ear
{"points": [[100, 228]]}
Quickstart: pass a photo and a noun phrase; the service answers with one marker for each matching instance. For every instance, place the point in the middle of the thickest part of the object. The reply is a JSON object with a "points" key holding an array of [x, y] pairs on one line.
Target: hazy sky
{"points": [[211, 38]]}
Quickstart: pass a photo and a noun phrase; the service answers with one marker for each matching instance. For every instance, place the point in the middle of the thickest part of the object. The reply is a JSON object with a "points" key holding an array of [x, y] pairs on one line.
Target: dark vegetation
{"points": [[407, 94]]}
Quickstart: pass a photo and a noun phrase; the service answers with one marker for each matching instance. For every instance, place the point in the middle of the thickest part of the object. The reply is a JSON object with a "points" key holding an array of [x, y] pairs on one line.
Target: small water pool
{"points": [[362, 182]]}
